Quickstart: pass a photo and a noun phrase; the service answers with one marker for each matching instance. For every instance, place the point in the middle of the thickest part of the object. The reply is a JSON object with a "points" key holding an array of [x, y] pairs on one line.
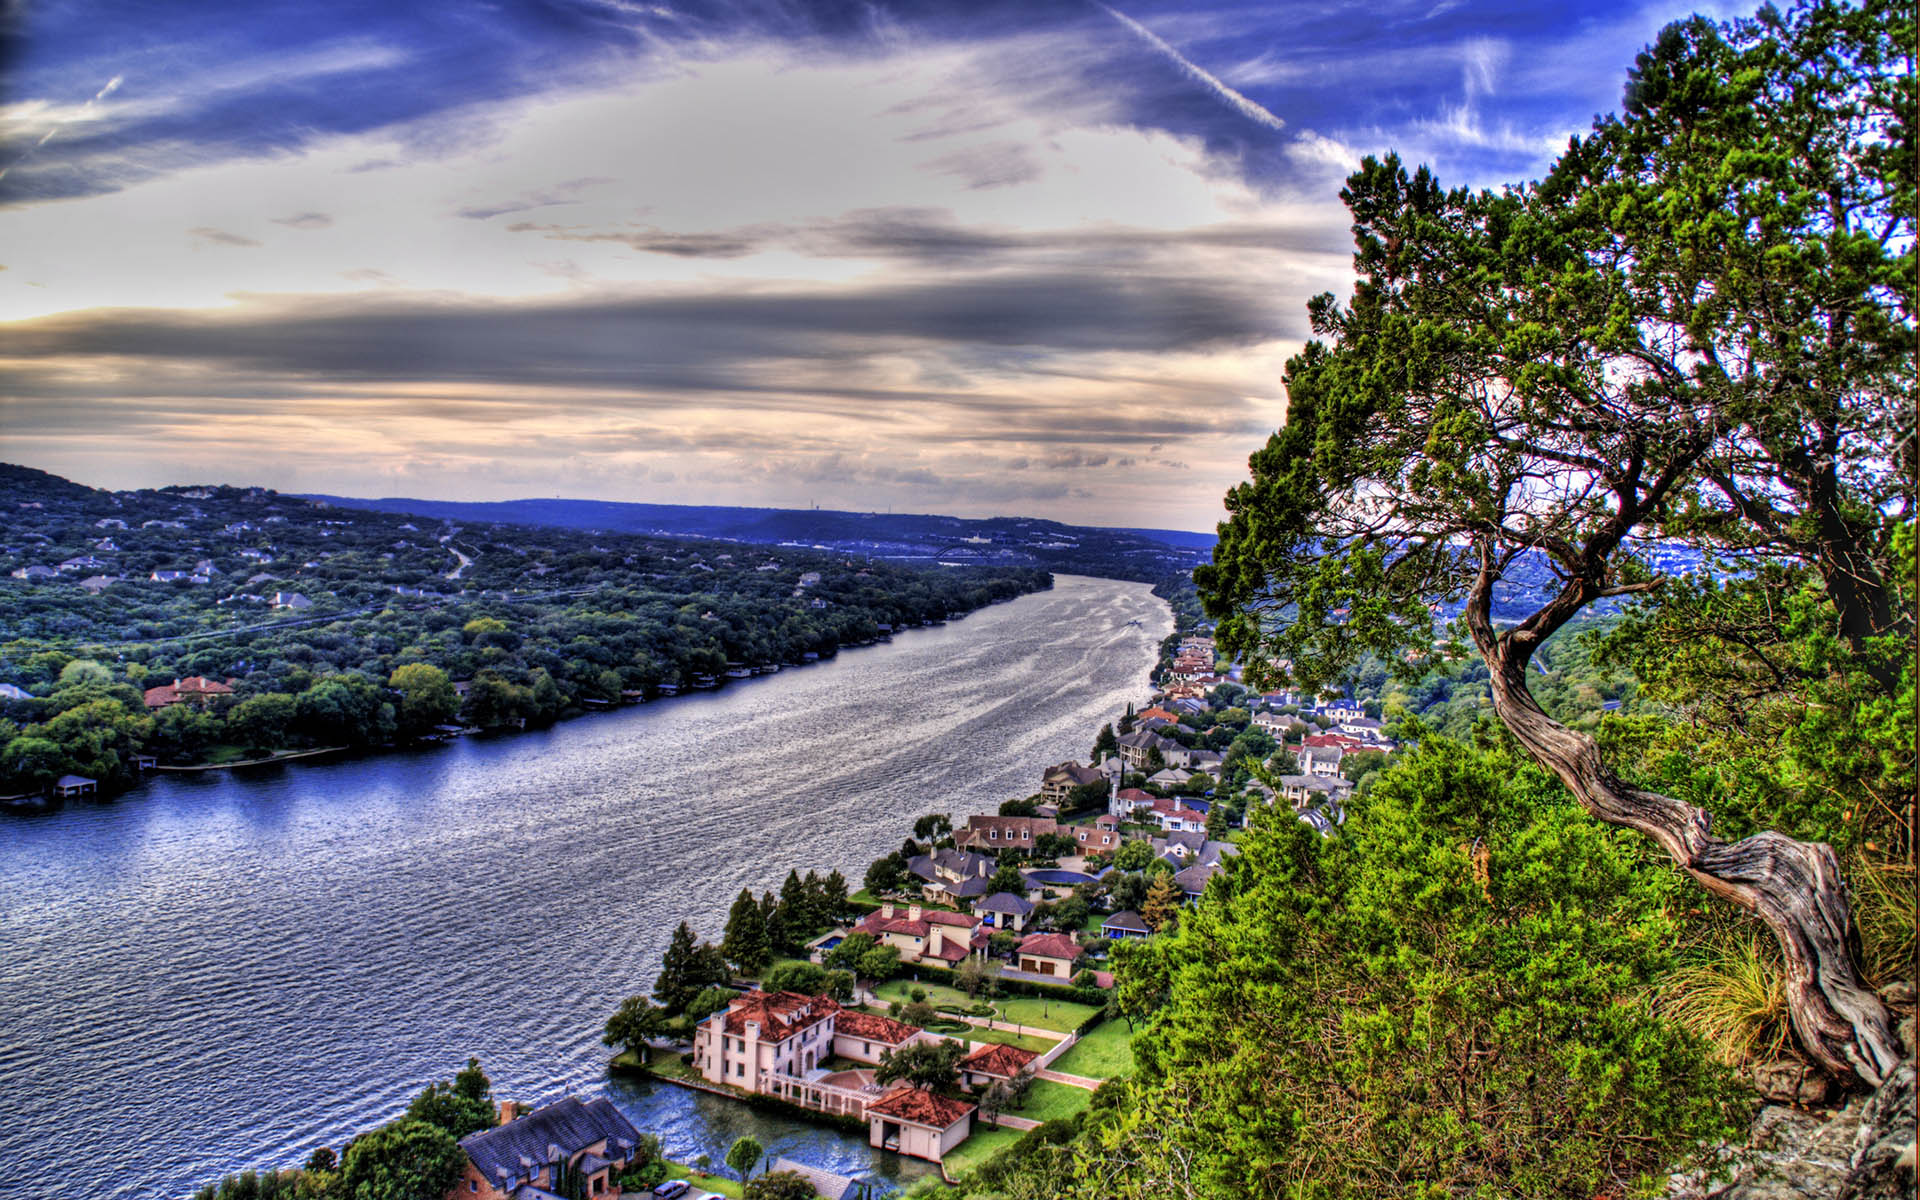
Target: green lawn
{"points": [[1103, 1052], [725, 1185], [1044, 1013], [978, 1148], [1026, 1041], [937, 993], [1050, 1101]]}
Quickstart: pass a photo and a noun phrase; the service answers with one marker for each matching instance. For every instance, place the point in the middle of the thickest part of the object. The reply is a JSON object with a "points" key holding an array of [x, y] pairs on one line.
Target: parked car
{"points": [[671, 1188]]}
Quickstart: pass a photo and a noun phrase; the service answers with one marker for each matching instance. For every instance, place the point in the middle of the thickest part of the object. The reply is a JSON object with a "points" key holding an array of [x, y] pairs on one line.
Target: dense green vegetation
{"points": [[539, 623]]}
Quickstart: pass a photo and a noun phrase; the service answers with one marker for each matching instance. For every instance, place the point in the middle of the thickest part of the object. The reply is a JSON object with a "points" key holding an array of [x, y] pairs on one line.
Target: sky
{"points": [[979, 258]]}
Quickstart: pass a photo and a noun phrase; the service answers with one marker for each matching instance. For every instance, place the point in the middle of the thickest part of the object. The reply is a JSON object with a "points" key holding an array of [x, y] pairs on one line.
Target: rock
{"points": [[1863, 1151], [1791, 1082], [1881, 1166], [1899, 994]]}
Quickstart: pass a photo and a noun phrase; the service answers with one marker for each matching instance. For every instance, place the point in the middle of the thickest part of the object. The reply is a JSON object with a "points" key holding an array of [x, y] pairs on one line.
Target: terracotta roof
{"points": [[920, 1108], [947, 951], [780, 1015], [874, 923], [1051, 945], [1003, 1062], [179, 689], [872, 1027]]}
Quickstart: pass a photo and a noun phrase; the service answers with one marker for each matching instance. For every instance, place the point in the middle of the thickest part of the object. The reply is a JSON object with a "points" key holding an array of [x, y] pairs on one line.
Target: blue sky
{"points": [[1040, 258]]}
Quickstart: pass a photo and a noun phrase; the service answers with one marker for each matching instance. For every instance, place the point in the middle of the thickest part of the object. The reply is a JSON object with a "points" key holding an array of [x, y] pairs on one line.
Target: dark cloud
{"points": [[565, 193], [221, 237], [305, 220], [999, 165]]}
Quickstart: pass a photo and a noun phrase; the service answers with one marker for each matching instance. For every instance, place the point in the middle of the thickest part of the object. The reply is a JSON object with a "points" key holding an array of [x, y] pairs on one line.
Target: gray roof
{"points": [[562, 1129], [1005, 902], [825, 1183], [964, 862], [973, 885], [1128, 920], [1193, 880], [1192, 840]]}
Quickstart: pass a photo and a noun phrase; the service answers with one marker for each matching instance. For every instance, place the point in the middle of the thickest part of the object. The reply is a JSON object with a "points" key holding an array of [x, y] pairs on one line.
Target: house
{"points": [[1363, 727], [1102, 835], [1206, 762], [1137, 747], [1156, 713], [922, 934], [1343, 710], [526, 1157], [195, 688], [1278, 725], [1323, 761], [999, 833], [868, 1037], [98, 583], [293, 600], [956, 874], [68, 786], [35, 572], [13, 691], [1175, 817], [1124, 925], [1003, 911], [993, 1063], [763, 1035], [1060, 780], [1182, 844], [1172, 777], [825, 1184], [1193, 880], [1048, 954], [918, 1124], [1323, 818], [1304, 791]]}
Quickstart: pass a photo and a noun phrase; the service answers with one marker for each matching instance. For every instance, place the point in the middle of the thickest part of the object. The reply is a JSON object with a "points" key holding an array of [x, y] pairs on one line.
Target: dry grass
{"points": [[1883, 908], [1733, 997]]}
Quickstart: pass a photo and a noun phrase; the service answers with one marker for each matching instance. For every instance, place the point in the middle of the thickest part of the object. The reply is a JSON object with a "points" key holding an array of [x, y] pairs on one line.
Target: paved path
{"points": [[1079, 1081]]}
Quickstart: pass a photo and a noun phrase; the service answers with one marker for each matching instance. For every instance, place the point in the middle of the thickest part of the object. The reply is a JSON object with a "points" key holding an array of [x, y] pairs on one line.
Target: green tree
{"points": [[405, 1160], [633, 1025], [1698, 327], [885, 874], [1162, 904], [743, 1154], [745, 942], [879, 964], [804, 977], [1133, 855], [780, 1185], [1007, 878], [1443, 983], [262, 721], [927, 1065], [1106, 745], [427, 697], [847, 955], [462, 1106], [685, 969]]}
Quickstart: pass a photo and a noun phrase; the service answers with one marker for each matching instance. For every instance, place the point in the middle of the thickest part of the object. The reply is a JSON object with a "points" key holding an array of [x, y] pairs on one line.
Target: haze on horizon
{"points": [[1031, 258]]}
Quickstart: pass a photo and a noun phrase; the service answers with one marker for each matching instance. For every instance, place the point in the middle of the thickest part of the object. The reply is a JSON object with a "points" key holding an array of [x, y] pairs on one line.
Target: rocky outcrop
{"points": [[1862, 1151]]}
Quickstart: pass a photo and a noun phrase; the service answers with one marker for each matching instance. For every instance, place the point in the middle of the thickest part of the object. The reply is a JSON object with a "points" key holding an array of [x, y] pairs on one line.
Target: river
{"points": [[225, 970]]}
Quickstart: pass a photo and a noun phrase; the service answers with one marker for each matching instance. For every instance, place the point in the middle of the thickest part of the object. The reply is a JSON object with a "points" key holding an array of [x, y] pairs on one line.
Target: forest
{"points": [[329, 627]]}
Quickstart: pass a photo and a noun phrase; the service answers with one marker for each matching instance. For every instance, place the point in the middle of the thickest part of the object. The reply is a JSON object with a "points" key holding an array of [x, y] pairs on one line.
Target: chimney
{"points": [[509, 1111], [913, 912]]}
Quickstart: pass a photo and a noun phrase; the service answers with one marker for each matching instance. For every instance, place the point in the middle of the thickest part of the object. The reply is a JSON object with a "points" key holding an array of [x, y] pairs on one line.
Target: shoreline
{"points": [[39, 804]]}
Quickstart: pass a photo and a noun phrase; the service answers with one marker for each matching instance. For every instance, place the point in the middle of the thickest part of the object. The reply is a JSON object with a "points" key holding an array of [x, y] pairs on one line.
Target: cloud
{"points": [[1233, 99], [305, 220], [221, 237]]}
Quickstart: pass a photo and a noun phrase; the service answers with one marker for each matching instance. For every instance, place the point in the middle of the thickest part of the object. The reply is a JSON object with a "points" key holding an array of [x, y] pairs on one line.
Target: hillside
{"points": [[321, 626]]}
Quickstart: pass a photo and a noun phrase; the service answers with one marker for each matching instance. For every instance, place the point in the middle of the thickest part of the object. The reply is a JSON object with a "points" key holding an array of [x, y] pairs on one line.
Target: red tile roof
{"points": [[876, 924], [1002, 1062], [180, 689], [948, 951], [872, 1027], [1051, 945], [920, 1108], [780, 1015]]}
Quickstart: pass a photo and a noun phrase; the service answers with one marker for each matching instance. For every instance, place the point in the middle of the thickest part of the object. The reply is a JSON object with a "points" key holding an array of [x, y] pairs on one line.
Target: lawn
{"points": [[977, 1149], [1101, 1053], [1044, 1013], [1026, 1041], [937, 993], [711, 1183], [1050, 1101]]}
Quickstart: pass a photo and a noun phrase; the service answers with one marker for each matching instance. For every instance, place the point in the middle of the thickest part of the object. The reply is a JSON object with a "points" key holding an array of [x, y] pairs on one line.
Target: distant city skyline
{"points": [[1039, 259]]}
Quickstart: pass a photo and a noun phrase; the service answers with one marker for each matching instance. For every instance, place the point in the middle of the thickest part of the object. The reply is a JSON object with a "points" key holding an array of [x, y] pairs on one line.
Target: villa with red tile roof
{"points": [[993, 1063], [1000, 833], [1048, 954], [193, 687], [778, 1044], [918, 1123], [922, 934]]}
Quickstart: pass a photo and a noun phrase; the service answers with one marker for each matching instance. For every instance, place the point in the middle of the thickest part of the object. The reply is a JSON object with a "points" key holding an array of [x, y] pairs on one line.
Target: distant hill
{"points": [[1148, 555]]}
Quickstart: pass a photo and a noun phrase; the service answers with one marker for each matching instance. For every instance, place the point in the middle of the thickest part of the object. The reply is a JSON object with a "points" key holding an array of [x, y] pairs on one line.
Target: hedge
{"points": [[1097, 997]]}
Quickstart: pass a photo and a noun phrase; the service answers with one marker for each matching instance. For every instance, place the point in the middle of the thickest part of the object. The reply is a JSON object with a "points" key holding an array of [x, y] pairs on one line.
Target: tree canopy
{"points": [[1689, 346]]}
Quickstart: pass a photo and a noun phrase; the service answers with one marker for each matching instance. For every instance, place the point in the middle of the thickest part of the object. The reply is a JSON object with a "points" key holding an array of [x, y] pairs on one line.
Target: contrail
{"points": [[113, 85], [1212, 83]]}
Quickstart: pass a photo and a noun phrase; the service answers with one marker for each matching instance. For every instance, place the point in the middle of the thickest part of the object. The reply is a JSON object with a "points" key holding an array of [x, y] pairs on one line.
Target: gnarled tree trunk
{"points": [[1795, 887]]}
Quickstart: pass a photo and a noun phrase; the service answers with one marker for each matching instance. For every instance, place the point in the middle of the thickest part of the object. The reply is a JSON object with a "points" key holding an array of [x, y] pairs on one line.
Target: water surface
{"points": [[225, 970]]}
